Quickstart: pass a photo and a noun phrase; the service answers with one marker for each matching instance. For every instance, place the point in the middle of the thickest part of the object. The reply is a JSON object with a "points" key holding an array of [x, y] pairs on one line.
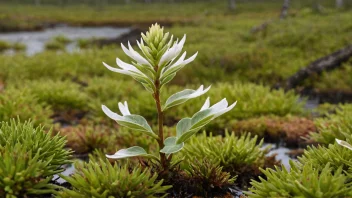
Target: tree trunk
{"points": [[326, 63], [37, 2], [317, 6], [148, 1], [339, 4], [284, 10], [232, 4], [127, 1]]}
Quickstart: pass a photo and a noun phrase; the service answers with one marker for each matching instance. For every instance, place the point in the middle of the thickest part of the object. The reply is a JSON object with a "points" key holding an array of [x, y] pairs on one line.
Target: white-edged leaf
{"points": [[176, 67], [344, 144], [171, 146], [135, 55], [202, 117], [186, 127], [131, 152], [124, 108], [183, 96], [140, 77], [206, 104], [132, 121], [136, 122], [173, 51]]}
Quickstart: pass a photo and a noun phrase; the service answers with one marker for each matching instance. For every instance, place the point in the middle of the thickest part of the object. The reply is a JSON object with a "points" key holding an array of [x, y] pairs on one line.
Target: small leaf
{"points": [[132, 121], [171, 146], [131, 152], [135, 122], [183, 96]]}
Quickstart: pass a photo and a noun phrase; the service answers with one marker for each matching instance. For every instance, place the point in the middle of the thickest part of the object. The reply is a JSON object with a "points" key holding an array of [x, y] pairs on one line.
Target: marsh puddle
{"points": [[281, 154], [69, 170], [35, 41]]}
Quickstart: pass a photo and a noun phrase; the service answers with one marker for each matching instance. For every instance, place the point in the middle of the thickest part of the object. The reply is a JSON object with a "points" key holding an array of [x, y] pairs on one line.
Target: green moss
{"points": [[24, 105], [234, 154], [62, 39], [334, 154], [29, 158], [29, 176], [55, 45], [60, 95], [337, 125], [301, 182], [337, 80], [18, 47], [4, 46], [101, 179], [205, 178], [83, 43]]}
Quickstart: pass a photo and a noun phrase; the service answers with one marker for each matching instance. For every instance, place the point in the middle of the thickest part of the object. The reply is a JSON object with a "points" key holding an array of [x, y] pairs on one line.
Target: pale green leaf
{"points": [[183, 96], [171, 146], [131, 152]]}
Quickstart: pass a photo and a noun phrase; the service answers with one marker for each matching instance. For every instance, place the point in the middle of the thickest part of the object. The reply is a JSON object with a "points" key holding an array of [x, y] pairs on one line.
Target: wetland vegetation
{"points": [[51, 116]]}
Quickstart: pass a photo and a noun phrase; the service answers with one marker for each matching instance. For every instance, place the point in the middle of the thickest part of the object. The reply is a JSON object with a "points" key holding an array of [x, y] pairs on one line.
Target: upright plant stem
{"points": [[163, 159]]}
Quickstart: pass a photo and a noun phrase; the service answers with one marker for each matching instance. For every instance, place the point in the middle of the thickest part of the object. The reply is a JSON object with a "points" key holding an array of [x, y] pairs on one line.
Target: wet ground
{"points": [[35, 40]]}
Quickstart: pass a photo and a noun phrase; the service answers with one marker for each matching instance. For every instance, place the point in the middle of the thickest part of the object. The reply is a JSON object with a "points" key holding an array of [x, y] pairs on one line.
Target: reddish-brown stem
{"points": [[164, 161]]}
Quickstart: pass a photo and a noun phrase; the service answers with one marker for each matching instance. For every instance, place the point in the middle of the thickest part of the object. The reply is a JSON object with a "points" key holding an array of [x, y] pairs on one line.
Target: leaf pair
{"points": [[187, 127]]}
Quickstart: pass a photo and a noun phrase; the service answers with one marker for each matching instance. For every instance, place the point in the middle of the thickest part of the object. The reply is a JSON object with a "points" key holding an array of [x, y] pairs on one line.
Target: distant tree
{"points": [[232, 4], [284, 10]]}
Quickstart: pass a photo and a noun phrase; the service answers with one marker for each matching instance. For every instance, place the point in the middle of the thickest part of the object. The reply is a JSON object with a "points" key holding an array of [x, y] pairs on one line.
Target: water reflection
{"points": [[35, 41]]}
